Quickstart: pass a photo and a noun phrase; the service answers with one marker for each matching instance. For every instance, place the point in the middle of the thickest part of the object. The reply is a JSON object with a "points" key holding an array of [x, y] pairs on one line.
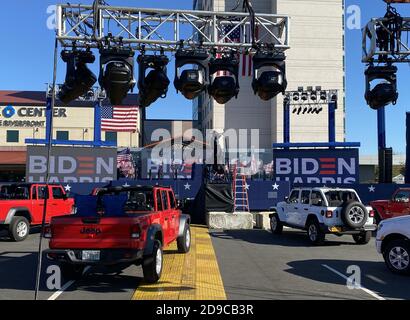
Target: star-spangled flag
{"points": [[119, 118], [236, 35]]}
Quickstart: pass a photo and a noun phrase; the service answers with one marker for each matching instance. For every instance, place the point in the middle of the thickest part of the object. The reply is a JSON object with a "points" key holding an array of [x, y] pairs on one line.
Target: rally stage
{"points": [[241, 264]]}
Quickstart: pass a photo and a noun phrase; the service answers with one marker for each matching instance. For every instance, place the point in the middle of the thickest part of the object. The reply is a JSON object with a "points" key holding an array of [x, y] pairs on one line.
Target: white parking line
{"points": [[58, 293], [370, 292]]}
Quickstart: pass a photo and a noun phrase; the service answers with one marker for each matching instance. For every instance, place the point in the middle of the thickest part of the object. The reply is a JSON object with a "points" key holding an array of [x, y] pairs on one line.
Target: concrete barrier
{"points": [[262, 220], [229, 221]]}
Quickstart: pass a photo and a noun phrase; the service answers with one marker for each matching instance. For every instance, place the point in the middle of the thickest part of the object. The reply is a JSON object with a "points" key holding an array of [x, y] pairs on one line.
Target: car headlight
{"points": [[380, 226]]}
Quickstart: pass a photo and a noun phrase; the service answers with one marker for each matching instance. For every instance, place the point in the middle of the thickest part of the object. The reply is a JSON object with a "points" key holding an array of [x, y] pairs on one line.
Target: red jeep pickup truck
{"points": [[118, 227], [399, 205], [21, 206]]}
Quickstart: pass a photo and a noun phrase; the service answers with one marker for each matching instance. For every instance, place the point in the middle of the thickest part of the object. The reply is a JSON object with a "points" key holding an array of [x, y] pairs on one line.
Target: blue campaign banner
{"points": [[316, 166]]}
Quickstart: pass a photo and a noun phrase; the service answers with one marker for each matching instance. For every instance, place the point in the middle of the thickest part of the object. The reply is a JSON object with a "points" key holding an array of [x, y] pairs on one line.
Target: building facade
{"points": [[316, 58], [22, 116]]}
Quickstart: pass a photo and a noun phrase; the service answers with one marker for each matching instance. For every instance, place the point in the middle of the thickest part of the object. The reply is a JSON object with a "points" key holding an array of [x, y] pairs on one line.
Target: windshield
{"points": [[337, 198]]}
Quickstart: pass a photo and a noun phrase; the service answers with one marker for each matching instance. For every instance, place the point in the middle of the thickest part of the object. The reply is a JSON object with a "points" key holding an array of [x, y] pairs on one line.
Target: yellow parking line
{"points": [[192, 276]]}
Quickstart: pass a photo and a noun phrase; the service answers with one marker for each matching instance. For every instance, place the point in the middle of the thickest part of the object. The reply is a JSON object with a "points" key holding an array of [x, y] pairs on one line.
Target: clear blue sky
{"points": [[26, 64]]}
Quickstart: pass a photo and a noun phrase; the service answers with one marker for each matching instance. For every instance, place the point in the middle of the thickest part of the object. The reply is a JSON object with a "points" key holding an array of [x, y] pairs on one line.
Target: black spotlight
{"points": [[154, 85], [268, 84], [385, 92], [299, 110], [191, 82], [224, 87], [117, 72], [323, 95], [296, 96], [304, 96], [79, 79]]}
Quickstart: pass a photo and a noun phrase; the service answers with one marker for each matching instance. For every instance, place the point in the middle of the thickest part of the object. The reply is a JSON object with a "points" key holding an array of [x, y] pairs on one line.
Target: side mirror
{"points": [[65, 197], [287, 199]]}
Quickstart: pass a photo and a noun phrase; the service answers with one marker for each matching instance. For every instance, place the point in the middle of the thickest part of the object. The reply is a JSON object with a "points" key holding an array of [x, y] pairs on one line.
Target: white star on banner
{"points": [[126, 185], [372, 189], [187, 186], [247, 186], [275, 186], [67, 188]]}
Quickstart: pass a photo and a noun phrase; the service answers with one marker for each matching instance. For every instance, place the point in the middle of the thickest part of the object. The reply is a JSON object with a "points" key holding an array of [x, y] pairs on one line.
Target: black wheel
{"points": [[152, 265], [354, 214], [19, 229], [363, 237], [397, 256], [71, 271], [184, 242], [314, 233], [275, 225]]}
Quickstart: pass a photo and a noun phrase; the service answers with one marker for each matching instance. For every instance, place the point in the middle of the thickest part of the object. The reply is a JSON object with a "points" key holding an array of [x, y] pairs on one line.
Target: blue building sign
{"points": [[316, 166]]}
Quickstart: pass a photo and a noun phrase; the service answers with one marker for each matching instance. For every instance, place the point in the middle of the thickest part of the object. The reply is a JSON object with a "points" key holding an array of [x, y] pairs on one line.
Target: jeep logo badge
{"points": [[90, 231]]}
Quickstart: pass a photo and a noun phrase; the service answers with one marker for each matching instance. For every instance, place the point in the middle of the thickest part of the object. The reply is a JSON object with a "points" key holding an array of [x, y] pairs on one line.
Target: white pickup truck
{"points": [[321, 211], [393, 242]]}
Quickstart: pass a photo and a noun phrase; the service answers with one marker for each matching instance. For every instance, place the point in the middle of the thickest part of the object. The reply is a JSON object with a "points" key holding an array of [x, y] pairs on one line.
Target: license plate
{"points": [[91, 255]]}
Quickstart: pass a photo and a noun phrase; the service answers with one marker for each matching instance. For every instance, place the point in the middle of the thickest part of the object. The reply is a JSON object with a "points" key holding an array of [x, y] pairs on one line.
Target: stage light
{"points": [[294, 110], [79, 79], [191, 82], [313, 95], [268, 84], [319, 109], [296, 96], [385, 92], [323, 95], [117, 72], [299, 110], [305, 109], [310, 109], [304, 96], [224, 87], [154, 85]]}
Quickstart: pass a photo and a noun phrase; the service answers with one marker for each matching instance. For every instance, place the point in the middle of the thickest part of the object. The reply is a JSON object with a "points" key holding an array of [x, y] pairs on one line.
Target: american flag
{"points": [[125, 164], [236, 35], [119, 118]]}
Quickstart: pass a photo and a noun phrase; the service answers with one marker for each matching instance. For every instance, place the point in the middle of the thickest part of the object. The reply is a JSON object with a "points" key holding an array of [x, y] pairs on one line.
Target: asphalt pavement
{"points": [[253, 265]]}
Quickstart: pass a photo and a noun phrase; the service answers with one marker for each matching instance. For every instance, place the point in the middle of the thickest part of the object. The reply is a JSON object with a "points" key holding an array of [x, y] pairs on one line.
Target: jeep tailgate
{"points": [[95, 232]]}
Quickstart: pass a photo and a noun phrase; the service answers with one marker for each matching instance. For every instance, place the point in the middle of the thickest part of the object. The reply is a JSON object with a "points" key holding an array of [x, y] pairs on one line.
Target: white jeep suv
{"points": [[393, 242], [321, 211]]}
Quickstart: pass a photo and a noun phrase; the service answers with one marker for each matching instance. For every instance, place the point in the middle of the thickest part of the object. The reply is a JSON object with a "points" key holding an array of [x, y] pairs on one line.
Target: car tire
{"points": [[393, 250], [71, 271], [354, 214], [152, 264], [315, 235], [19, 229], [363, 237], [184, 242], [275, 225]]}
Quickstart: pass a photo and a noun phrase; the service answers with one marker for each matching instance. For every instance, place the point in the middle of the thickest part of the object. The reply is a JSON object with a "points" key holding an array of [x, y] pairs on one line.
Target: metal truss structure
{"points": [[165, 30], [370, 43]]}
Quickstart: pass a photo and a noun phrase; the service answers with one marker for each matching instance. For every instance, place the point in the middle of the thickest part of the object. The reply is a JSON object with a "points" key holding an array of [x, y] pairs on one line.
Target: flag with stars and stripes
{"points": [[119, 118], [235, 34]]}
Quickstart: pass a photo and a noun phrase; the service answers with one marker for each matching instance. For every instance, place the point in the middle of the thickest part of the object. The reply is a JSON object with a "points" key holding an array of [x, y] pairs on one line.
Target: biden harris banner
{"points": [[316, 166], [71, 165]]}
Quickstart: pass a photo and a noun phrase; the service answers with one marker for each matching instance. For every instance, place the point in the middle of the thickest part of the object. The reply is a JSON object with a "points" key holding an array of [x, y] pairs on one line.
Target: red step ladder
{"points": [[240, 192]]}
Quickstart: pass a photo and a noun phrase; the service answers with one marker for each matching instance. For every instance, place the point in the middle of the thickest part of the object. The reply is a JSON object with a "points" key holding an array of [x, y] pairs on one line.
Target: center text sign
{"points": [[71, 164], [319, 166]]}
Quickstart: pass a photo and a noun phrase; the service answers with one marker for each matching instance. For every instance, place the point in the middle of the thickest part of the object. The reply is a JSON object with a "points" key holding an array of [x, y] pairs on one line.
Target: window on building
{"points": [[62, 135], [12, 136], [111, 137]]}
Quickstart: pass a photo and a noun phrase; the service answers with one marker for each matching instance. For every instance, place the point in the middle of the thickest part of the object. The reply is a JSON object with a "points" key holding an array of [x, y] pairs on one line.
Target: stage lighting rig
{"points": [[117, 72], [79, 79], [385, 91], [225, 84], [154, 85], [191, 82], [269, 83]]}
